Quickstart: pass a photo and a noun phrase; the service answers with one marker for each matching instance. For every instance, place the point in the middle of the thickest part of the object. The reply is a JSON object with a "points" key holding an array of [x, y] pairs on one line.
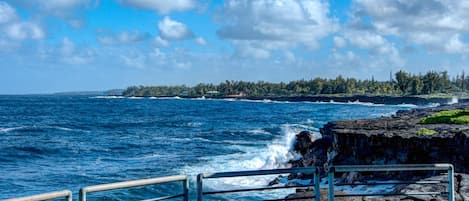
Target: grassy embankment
{"points": [[447, 117], [444, 117]]}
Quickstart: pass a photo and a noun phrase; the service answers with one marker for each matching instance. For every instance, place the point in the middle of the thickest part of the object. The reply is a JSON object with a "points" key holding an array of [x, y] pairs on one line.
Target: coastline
{"points": [[387, 100]]}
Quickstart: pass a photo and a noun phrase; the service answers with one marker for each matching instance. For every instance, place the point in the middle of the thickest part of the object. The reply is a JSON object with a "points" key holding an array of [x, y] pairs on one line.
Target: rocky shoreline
{"points": [[388, 100], [391, 140]]}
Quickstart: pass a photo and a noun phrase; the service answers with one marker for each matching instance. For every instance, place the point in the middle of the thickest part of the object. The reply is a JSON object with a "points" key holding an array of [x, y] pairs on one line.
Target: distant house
{"points": [[241, 94], [212, 93]]}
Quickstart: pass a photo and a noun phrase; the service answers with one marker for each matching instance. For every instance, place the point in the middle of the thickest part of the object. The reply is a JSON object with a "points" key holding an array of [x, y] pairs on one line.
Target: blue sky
{"points": [[76, 45]]}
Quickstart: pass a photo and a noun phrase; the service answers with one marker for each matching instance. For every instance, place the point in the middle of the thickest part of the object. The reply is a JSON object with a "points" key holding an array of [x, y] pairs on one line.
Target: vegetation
{"points": [[402, 83], [448, 117], [425, 131]]}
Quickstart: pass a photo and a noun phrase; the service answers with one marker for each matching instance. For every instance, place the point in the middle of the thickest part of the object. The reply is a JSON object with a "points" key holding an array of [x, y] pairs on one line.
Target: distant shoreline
{"points": [[388, 100]]}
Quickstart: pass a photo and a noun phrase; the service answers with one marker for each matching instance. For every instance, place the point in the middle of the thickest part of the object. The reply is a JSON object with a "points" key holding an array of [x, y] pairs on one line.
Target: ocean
{"points": [[50, 143]]}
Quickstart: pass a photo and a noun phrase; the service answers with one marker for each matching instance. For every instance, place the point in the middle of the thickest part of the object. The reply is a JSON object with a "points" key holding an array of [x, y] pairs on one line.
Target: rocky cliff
{"points": [[388, 140]]}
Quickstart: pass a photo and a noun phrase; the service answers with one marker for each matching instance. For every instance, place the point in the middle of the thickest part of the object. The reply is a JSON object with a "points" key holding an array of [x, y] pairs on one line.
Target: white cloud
{"points": [[163, 7], [375, 44], [201, 41], [290, 57], [69, 11], [244, 49], [435, 24], [15, 28], [161, 42], [275, 24], [339, 42], [24, 30], [157, 59], [69, 53], [7, 13], [135, 60], [173, 30], [124, 37]]}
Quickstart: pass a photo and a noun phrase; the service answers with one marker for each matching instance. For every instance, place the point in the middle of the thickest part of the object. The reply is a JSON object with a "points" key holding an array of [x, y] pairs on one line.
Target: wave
{"points": [[259, 131], [166, 98], [107, 97], [454, 100], [194, 124], [271, 155], [38, 129]]}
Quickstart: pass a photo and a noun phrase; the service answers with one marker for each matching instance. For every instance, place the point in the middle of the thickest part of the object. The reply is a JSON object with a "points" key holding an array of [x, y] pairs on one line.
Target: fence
{"points": [[66, 194], [142, 182], [307, 170], [390, 168]]}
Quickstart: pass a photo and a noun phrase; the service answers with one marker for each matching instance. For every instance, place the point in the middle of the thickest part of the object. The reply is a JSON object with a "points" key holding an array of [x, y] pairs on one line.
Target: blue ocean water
{"points": [[52, 143]]}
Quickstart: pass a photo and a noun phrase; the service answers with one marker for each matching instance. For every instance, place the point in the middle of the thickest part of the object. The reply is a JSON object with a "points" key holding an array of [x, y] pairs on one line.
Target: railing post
{"points": [[331, 183], [69, 197], [199, 187], [82, 195], [185, 188], [451, 183], [317, 193]]}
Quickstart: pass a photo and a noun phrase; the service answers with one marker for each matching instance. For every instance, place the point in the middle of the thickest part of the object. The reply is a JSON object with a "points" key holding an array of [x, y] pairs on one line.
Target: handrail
{"points": [[309, 170], [137, 183], [202, 176], [45, 196], [390, 168]]}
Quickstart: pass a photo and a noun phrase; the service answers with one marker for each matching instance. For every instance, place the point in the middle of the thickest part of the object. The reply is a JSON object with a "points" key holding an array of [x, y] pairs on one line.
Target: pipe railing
{"points": [[307, 170], [137, 183], [390, 168], [65, 194]]}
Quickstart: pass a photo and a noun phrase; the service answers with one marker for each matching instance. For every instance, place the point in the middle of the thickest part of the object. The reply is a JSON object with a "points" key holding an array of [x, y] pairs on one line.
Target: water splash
{"points": [[454, 100]]}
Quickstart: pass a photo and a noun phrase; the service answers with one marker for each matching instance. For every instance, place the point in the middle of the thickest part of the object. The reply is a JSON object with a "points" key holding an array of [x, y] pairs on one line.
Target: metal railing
{"points": [[307, 170], [138, 183], [391, 168], [65, 194]]}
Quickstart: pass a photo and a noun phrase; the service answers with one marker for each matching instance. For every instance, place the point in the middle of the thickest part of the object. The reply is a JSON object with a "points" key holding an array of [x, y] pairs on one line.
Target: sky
{"points": [[80, 45]]}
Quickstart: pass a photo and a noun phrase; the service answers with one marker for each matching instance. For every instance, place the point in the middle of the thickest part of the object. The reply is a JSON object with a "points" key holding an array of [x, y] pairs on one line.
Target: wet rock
{"points": [[461, 183], [394, 140], [390, 140]]}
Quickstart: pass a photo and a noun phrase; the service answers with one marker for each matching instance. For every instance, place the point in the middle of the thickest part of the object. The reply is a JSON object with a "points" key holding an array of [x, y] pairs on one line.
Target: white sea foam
{"points": [[274, 154], [19, 128], [259, 131], [194, 124], [454, 100], [107, 97], [407, 105], [5, 130]]}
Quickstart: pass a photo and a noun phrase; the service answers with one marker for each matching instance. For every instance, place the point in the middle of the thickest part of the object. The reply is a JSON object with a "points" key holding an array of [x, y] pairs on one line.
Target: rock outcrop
{"points": [[389, 140]]}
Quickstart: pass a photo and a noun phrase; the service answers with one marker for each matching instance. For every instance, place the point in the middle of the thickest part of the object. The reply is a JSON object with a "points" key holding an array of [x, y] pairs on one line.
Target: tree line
{"points": [[402, 83]]}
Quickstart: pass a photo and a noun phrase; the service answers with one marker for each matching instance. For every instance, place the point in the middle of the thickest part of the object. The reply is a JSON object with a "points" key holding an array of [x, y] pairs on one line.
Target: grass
{"points": [[425, 131], [447, 117]]}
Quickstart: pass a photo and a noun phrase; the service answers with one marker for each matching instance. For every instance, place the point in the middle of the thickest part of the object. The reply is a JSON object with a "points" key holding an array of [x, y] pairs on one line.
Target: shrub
{"points": [[425, 131], [447, 117]]}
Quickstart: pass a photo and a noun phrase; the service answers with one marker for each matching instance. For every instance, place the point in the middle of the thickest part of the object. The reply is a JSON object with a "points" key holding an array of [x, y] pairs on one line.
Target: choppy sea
{"points": [[50, 143]]}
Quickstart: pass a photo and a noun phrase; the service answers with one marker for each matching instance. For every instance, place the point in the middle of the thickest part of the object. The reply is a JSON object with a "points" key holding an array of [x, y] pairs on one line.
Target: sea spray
{"points": [[454, 100], [274, 155]]}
